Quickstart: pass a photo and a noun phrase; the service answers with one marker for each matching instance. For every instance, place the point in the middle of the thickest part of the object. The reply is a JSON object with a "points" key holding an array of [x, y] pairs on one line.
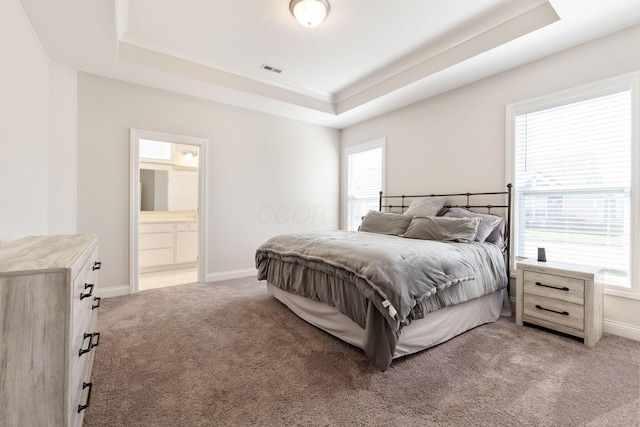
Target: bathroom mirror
{"points": [[154, 190]]}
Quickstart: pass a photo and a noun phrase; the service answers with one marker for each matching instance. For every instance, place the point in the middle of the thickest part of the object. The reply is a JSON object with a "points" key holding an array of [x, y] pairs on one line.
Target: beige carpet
{"points": [[228, 354]]}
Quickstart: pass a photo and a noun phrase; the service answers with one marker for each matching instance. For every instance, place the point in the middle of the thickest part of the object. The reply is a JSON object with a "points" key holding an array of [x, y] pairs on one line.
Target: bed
{"points": [[419, 271]]}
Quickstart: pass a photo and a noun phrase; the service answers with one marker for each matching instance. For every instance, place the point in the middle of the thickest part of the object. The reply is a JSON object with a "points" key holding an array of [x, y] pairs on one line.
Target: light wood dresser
{"points": [[563, 297], [48, 335]]}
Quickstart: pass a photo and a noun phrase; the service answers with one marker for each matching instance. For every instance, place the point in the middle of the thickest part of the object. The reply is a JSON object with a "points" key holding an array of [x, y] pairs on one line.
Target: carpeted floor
{"points": [[228, 354]]}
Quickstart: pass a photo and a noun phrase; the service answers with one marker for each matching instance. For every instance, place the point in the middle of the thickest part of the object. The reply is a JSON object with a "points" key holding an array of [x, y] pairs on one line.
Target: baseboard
{"points": [[113, 291], [621, 329], [231, 274], [116, 291]]}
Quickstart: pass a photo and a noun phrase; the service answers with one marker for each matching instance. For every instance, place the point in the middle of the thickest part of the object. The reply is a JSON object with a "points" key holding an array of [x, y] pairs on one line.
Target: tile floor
{"points": [[161, 279]]}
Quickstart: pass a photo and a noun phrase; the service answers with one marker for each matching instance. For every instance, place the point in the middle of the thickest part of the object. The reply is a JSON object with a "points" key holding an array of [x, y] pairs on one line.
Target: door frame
{"points": [[134, 201]]}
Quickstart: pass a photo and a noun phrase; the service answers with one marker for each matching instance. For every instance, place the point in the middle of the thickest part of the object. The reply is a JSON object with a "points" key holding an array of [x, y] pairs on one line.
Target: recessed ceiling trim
{"points": [[443, 43], [487, 33], [151, 58], [523, 24]]}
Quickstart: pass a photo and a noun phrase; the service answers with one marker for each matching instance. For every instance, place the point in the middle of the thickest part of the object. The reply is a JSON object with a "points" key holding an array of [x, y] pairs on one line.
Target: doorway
{"points": [[167, 210]]}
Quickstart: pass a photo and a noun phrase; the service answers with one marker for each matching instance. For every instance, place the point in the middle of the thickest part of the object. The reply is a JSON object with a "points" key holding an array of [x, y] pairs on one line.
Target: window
{"points": [[364, 174], [156, 150], [573, 162]]}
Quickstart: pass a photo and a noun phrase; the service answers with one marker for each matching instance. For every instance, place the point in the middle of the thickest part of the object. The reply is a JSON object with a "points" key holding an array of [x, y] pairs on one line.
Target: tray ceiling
{"points": [[367, 58]]}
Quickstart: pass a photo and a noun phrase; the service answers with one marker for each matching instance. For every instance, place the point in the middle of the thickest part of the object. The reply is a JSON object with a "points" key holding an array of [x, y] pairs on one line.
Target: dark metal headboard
{"points": [[468, 205]]}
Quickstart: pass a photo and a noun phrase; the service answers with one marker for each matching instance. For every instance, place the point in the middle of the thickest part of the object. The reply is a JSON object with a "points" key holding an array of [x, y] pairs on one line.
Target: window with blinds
{"points": [[364, 173], [572, 175]]}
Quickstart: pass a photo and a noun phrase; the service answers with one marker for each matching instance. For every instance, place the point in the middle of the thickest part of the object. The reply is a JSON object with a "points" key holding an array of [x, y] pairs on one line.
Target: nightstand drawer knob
{"points": [[565, 289], [564, 313]]}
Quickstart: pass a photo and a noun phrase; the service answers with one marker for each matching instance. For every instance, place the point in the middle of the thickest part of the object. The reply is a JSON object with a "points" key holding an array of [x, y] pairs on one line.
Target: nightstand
{"points": [[563, 297]]}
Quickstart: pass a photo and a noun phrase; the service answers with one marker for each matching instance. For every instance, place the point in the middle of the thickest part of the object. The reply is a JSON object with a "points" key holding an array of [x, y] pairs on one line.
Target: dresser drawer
{"points": [[80, 373], [557, 287], [83, 301], [41, 281], [552, 310], [84, 337], [81, 393]]}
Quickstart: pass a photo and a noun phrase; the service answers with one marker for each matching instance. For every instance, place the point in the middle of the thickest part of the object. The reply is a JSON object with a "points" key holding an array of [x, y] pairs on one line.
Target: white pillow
{"points": [[426, 206]]}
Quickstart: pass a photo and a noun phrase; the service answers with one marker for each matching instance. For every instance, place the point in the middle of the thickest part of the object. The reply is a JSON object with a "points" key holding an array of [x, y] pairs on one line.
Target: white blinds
{"points": [[364, 182], [572, 183]]}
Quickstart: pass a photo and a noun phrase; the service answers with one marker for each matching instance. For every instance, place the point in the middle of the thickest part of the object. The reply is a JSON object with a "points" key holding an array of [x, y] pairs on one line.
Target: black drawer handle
{"points": [[97, 303], [96, 265], [88, 294], [565, 289], [564, 313], [96, 335], [91, 343], [88, 349], [86, 405]]}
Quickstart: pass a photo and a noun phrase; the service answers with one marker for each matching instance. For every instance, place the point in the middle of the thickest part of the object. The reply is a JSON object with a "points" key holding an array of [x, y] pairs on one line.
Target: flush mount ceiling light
{"points": [[309, 13]]}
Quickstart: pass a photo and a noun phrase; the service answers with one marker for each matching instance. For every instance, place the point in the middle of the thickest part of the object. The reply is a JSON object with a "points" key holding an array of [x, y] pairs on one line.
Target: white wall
{"points": [[456, 141], [267, 175], [24, 128], [63, 152]]}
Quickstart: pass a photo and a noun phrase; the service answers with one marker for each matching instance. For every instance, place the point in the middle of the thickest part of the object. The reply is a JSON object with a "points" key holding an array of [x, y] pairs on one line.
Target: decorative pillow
{"points": [[499, 234], [443, 228], [385, 223], [488, 222], [425, 206]]}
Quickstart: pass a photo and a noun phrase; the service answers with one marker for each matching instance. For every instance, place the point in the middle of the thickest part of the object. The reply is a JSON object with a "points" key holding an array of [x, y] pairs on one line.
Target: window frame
{"points": [[629, 82], [354, 149]]}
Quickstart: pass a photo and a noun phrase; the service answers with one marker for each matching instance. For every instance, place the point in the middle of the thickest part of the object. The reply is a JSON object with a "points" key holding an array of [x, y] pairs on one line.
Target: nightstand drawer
{"points": [[552, 310], [551, 286]]}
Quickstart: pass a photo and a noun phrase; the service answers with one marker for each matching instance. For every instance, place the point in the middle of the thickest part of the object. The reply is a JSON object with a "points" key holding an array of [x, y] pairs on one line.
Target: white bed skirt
{"points": [[435, 328]]}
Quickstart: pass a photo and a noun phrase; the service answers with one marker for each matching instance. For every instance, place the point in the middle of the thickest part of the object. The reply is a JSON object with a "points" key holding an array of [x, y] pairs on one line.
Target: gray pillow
{"points": [[488, 222], [385, 223], [499, 235], [443, 228], [425, 206]]}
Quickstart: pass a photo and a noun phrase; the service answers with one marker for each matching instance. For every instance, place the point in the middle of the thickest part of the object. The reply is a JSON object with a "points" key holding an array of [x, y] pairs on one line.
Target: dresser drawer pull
{"points": [[97, 265], [86, 405], [91, 343], [565, 289], [97, 303], [88, 294], [564, 313]]}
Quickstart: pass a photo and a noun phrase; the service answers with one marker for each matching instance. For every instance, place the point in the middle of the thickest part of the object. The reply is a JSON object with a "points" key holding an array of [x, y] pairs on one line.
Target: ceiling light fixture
{"points": [[309, 13]]}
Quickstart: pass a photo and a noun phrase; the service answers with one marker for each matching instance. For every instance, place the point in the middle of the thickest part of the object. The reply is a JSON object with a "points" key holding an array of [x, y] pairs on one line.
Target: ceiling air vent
{"points": [[270, 68]]}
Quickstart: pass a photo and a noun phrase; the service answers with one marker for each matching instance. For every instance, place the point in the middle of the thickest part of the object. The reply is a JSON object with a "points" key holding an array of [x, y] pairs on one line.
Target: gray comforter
{"points": [[381, 282]]}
